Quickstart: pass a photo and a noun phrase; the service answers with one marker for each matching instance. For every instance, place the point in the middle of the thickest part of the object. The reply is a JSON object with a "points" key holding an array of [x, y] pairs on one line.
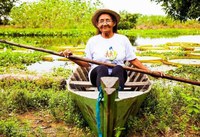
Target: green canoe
{"points": [[115, 107]]}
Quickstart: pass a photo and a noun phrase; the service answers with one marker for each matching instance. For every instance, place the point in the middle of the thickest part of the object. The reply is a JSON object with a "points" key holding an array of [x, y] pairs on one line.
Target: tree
{"points": [[5, 8], [58, 14], [128, 20], [181, 9]]}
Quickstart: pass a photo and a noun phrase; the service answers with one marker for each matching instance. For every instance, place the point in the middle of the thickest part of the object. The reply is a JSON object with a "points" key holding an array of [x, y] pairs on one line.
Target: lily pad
{"points": [[175, 47], [143, 48], [196, 48], [162, 67], [164, 51], [149, 59], [194, 54], [53, 57], [185, 61], [72, 48]]}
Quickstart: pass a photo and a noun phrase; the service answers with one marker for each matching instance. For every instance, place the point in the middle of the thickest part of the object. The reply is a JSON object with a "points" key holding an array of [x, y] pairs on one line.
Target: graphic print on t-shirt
{"points": [[111, 54]]}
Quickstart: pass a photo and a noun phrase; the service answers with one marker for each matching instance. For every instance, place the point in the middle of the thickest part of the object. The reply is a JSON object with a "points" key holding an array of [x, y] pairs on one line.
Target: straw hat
{"points": [[101, 11]]}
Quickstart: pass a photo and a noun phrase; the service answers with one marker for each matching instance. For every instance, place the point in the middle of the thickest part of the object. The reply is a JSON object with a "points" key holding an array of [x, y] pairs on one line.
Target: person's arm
{"points": [[81, 63], [138, 64], [68, 52]]}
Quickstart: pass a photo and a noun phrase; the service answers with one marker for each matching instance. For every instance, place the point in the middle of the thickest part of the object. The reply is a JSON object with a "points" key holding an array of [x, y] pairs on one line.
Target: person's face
{"points": [[105, 23]]}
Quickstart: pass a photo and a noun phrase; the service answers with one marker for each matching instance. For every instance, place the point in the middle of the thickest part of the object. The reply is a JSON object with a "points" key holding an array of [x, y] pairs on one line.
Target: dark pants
{"points": [[101, 71]]}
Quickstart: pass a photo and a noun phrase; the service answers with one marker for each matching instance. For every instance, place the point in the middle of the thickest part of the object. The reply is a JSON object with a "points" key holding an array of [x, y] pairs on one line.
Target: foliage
{"points": [[76, 14], [156, 21], [63, 108], [74, 34], [190, 72], [54, 14], [5, 8], [47, 42], [170, 108], [128, 20], [19, 96], [17, 59], [25, 95], [12, 128], [164, 55], [181, 9], [157, 33]]}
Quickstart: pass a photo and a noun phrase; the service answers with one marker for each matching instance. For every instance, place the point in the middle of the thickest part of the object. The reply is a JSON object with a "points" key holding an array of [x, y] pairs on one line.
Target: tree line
{"points": [[181, 9], [77, 13]]}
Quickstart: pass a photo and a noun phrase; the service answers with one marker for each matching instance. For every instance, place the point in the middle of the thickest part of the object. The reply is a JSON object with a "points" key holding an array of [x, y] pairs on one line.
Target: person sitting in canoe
{"points": [[110, 47]]}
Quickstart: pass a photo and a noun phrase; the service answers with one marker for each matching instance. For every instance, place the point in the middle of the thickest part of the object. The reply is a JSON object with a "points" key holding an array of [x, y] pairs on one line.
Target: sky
{"points": [[145, 7]]}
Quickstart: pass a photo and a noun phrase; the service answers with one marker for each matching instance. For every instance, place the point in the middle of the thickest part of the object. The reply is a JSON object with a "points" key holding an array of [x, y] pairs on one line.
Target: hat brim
{"points": [[101, 11]]}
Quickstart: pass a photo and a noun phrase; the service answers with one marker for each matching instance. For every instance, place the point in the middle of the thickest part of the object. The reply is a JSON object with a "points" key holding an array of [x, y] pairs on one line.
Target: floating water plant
{"points": [[53, 58], [185, 61], [149, 59], [160, 67]]}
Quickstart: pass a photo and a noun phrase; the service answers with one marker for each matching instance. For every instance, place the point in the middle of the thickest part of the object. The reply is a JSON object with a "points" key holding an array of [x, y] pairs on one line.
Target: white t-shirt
{"points": [[116, 50]]}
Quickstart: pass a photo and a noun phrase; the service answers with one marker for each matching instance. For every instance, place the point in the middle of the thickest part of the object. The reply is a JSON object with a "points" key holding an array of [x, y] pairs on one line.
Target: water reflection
{"points": [[46, 66], [158, 41]]}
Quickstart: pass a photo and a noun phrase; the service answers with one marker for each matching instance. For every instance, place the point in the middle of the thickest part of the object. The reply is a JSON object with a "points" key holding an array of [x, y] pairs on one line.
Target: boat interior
{"points": [[79, 81]]}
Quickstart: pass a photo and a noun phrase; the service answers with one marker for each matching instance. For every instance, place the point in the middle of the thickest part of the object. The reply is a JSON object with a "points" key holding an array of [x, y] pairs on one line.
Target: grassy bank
{"points": [[152, 33], [171, 109]]}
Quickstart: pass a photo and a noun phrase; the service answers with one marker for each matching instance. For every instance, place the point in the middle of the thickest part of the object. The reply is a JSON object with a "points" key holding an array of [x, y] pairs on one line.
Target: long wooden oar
{"points": [[102, 63]]}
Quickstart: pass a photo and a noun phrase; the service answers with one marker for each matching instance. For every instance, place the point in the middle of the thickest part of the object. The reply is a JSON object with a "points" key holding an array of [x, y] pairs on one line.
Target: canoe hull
{"points": [[115, 107], [123, 109]]}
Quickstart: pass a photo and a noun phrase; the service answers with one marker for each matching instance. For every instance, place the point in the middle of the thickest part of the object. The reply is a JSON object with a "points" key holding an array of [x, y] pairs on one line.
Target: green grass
{"points": [[159, 32], [21, 96], [172, 107], [156, 22]]}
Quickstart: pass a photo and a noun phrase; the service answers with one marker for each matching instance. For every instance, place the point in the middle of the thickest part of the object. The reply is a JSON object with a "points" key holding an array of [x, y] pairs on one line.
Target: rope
{"points": [[98, 117]]}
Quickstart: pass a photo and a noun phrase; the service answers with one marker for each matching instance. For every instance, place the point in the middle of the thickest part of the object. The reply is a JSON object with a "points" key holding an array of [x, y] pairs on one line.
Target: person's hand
{"points": [[66, 53], [157, 74]]}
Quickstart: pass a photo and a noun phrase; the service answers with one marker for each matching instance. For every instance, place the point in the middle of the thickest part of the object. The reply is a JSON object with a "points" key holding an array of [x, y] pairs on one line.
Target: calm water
{"points": [[46, 66], [158, 41]]}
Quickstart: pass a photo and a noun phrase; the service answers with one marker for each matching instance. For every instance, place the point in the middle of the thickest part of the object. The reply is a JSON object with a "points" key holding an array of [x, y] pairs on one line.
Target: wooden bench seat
{"points": [[88, 84]]}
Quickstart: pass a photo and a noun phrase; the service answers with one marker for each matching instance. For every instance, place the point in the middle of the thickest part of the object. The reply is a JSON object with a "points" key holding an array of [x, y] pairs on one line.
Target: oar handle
{"points": [[102, 63], [29, 47]]}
